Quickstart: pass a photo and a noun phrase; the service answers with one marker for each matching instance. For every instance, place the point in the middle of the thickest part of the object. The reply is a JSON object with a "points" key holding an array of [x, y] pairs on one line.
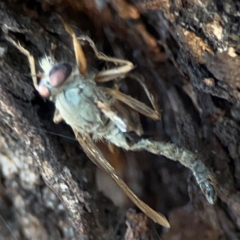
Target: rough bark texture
{"points": [[187, 52]]}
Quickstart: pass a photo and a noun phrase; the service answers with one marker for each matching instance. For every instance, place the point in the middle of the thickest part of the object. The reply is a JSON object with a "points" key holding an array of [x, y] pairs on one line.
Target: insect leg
{"points": [[191, 160], [111, 74], [141, 81], [108, 75], [57, 118], [133, 103], [30, 60]]}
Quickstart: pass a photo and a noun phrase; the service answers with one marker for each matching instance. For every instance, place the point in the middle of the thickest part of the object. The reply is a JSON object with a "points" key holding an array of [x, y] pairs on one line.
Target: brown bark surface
{"points": [[188, 53]]}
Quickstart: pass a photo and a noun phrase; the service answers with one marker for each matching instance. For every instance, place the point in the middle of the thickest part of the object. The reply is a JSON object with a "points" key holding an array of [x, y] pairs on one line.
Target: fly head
{"points": [[55, 77]]}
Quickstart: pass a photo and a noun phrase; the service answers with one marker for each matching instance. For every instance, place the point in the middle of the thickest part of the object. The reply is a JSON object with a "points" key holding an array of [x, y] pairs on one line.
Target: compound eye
{"points": [[59, 74], [44, 91]]}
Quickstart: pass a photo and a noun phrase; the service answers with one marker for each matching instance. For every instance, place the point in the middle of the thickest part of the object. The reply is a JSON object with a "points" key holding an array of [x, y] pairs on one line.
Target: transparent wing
{"points": [[97, 157]]}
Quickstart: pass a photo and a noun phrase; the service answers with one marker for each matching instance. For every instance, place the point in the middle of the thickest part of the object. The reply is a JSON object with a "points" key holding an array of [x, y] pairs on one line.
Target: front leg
{"points": [[30, 57], [191, 160], [57, 118]]}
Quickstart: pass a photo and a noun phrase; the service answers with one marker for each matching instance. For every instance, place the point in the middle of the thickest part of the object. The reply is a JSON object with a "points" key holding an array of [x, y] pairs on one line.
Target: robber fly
{"points": [[95, 112]]}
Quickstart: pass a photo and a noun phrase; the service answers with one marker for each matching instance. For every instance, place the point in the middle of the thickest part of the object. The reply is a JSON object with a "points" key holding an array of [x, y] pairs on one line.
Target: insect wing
{"points": [[79, 55], [97, 157], [133, 103], [124, 117]]}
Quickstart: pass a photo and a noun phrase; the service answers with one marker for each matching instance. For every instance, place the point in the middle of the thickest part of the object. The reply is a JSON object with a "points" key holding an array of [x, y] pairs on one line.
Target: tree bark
{"points": [[187, 51]]}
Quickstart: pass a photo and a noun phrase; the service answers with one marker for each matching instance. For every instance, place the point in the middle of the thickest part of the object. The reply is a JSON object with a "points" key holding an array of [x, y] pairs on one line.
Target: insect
{"points": [[95, 112]]}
